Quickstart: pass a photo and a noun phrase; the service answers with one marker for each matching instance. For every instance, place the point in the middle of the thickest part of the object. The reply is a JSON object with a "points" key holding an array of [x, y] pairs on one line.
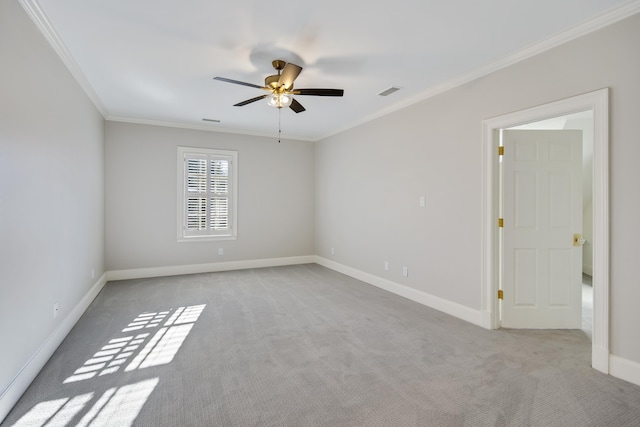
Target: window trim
{"points": [[181, 197]]}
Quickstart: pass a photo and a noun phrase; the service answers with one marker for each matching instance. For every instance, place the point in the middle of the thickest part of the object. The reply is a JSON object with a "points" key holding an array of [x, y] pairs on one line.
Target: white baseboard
{"points": [[587, 269], [17, 386], [175, 270], [624, 369], [476, 317]]}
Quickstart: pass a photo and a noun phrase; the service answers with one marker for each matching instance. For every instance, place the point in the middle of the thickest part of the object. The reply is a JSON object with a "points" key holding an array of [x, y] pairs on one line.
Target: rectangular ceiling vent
{"points": [[211, 120], [389, 91]]}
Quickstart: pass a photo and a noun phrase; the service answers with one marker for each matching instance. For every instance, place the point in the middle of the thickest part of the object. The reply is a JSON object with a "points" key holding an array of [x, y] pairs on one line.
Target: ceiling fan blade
{"points": [[249, 101], [319, 92], [289, 74], [296, 106], [223, 79]]}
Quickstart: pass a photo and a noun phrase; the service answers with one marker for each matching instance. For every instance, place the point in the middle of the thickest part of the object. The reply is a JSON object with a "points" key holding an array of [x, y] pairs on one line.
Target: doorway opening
{"points": [[595, 104]]}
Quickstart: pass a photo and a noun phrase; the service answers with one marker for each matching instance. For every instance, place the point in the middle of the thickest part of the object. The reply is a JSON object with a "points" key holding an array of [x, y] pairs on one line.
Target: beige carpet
{"points": [[306, 346]]}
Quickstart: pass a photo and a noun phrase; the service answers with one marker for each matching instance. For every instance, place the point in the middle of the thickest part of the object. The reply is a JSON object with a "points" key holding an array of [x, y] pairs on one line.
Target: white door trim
{"points": [[598, 102]]}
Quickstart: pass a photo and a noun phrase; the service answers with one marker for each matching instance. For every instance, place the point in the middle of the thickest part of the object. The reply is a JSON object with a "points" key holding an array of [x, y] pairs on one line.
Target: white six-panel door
{"points": [[542, 210]]}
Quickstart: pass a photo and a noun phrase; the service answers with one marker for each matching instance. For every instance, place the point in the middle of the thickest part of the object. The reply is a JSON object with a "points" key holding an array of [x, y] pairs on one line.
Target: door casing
{"points": [[598, 102]]}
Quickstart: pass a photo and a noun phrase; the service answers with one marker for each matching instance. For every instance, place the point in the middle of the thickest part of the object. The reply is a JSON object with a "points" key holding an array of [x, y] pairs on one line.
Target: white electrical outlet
{"points": [[386, 266], [405, 271], [422, 201], [56, 308], [93, 273], [220, 251], [333, 251]]}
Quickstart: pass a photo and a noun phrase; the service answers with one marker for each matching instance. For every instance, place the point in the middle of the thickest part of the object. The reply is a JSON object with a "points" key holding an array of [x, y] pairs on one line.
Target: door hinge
{"points": [[500, 294], [500, 222], [501, 150]]}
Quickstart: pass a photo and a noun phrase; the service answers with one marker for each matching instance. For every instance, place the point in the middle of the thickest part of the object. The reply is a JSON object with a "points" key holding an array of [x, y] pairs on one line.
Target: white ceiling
{"points": [[154, 61]]}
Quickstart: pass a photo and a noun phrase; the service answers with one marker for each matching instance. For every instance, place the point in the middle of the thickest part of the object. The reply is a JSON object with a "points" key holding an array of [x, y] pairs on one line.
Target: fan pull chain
{"points": [[279, 127]]}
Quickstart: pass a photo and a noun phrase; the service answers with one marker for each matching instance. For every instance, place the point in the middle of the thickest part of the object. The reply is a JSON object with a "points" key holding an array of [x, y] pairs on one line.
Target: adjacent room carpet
{"points": [[306, 346]]}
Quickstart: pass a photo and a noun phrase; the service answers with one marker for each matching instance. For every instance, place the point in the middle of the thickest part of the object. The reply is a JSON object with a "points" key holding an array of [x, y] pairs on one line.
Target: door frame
{"points": [[598, 102]]}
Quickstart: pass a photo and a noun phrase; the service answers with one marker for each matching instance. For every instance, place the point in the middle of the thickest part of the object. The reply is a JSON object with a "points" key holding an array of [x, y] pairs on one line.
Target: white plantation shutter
{"points": [[196, 193], [219, 213], [220, 175], [196, 213], [207, 193], [196, 175]]}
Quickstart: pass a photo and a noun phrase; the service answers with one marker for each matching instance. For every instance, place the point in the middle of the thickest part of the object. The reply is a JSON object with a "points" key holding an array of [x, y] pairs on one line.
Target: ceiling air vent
{"points": [[389, 91], [211, 120]]}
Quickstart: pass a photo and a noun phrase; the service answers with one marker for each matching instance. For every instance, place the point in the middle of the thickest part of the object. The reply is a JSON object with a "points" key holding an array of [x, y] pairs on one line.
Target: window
{"points": [[207, 193]]}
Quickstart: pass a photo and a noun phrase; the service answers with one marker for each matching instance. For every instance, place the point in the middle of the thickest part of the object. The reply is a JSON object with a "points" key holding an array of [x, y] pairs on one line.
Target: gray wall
{"points": [[275, 200], [51, 191], [368, 179]]}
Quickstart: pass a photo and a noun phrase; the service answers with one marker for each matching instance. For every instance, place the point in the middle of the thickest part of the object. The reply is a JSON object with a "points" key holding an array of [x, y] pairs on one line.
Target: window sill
{"points": [[205, 238]]}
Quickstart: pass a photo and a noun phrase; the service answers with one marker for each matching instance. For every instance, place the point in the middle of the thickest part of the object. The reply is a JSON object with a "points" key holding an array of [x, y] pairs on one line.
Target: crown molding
{"points": [[603, 20], [209, 128], [39, 17]]}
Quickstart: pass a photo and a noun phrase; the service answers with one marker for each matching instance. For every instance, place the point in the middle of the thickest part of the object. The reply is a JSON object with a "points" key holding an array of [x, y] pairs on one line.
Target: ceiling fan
{"points": [[281, 88]]}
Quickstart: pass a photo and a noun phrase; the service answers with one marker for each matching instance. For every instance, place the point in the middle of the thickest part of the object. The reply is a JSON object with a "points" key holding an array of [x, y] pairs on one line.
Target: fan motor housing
{"points": [[272, 81]]}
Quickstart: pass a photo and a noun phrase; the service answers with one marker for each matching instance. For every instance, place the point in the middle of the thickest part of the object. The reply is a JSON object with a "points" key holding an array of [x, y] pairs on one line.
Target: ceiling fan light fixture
{"points": [[279, 100]]}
